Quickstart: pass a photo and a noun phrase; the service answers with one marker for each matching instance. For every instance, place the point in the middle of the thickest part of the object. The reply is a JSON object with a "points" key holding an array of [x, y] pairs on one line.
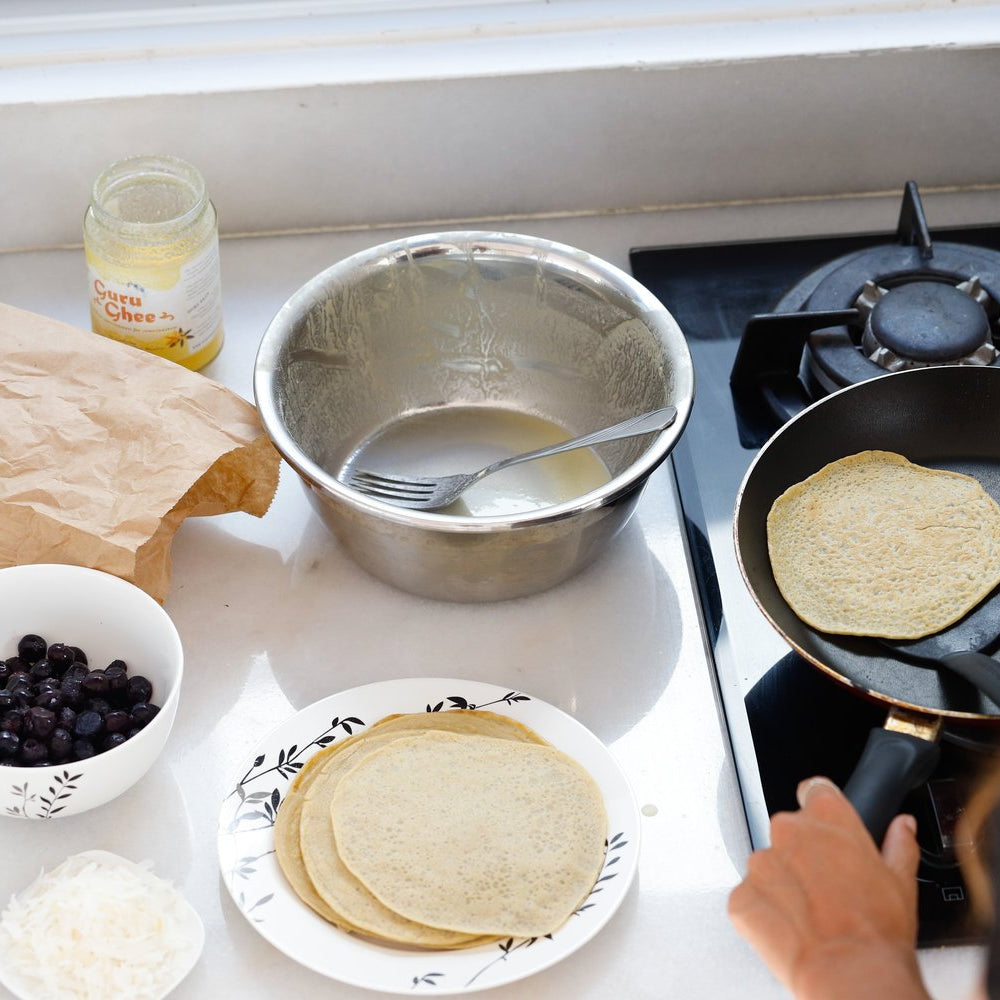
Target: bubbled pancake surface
{"points": [[472, 833], [875, 545]]}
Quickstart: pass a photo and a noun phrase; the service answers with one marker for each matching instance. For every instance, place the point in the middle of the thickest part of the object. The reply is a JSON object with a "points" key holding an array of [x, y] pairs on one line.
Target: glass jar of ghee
{"points": [[151, 240]]}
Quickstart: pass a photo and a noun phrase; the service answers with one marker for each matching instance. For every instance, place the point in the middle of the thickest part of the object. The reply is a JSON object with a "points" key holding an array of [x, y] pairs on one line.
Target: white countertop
{"points": [[273, 616]]}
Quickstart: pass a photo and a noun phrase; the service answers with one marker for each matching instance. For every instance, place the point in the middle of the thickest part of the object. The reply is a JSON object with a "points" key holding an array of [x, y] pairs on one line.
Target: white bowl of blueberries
{"points": [[90, 676]]}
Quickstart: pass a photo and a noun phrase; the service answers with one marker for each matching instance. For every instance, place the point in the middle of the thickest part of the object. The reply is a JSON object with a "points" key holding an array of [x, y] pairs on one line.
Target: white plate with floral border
{"points": [[252, 876]]}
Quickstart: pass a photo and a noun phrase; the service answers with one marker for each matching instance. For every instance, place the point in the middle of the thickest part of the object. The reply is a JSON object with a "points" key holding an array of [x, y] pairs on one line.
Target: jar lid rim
{"points": [[129, 170]]}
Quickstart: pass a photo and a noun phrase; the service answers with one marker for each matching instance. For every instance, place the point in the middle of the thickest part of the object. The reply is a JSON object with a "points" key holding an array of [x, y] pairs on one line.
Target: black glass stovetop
{"points": [[786, 719]]}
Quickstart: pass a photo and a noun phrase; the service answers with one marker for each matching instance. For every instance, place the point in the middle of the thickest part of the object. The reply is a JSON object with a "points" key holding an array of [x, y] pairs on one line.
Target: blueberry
{"points": [[13, 721], [113, 740], [18, 679], [33, 751], [82, 749], [118, 721], [39, 723], [10, 743], [117, 683], [50, 699], [88, 725], [139, 689], [22, 696], [98, 705], [31, 648], [95, 684], [79, 655], [60, 744], [72, 691], [143, 713], [76, 672], [61, 656], [41, 669]]}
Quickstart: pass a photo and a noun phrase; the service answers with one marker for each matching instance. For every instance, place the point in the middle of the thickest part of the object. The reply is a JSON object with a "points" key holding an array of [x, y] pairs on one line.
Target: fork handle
{"points": [[645, 423]]}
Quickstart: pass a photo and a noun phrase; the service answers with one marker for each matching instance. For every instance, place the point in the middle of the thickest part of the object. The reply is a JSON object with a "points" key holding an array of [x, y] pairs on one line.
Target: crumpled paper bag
{"points": [[105, 449]]}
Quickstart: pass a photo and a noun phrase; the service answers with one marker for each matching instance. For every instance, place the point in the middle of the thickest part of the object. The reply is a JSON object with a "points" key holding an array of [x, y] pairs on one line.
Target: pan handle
{"points": [[895, 760], [980, 670]]}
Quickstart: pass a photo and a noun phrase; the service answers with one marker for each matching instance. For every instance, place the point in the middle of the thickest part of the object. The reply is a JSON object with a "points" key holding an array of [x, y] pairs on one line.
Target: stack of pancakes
{"points": [[443, 830]]}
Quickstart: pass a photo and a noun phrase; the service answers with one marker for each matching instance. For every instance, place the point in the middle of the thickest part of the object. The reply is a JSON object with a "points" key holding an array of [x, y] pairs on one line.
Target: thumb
{"points": [[900, 849]]}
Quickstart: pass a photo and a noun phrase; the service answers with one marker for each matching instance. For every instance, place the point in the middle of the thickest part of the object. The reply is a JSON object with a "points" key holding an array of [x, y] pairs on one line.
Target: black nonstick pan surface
{"points": [[941, 417]]}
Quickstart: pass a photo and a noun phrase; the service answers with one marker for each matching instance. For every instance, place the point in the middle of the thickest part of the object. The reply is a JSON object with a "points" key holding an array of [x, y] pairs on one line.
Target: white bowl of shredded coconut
{"points": [[98, 927]]}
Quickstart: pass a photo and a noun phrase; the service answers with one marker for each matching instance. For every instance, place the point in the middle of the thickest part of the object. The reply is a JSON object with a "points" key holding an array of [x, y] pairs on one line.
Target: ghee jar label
{"points": [[170, 311]]}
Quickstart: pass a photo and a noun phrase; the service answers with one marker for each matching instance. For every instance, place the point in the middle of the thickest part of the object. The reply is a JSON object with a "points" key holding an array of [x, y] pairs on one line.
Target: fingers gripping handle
{"points": [[891, 764]]}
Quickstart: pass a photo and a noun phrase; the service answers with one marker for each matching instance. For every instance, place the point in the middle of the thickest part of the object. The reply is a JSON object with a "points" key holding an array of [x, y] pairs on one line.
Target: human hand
{"points": [[833, 918]]}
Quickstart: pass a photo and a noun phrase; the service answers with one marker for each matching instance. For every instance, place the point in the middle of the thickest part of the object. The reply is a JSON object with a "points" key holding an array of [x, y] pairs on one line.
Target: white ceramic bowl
{"points": [[109, 619]]}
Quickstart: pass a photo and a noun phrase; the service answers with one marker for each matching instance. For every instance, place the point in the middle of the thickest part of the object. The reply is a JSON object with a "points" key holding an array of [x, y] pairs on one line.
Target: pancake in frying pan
{"points": [[875, 545]]}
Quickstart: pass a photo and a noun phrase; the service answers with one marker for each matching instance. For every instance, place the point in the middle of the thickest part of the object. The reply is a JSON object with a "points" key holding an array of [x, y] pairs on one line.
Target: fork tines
{"points": [[378, 485]]}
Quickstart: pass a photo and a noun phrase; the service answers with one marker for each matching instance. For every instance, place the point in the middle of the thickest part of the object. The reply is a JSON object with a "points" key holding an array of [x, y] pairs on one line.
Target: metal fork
{"points": [[432, 493]]}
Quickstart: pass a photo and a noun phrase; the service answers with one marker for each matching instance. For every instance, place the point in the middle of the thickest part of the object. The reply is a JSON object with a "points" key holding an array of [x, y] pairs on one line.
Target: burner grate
{"points": [[882, 308]]}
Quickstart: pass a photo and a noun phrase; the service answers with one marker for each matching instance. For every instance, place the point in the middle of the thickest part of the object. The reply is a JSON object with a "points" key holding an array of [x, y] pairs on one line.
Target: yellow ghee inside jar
{"points": [[151, 242]]}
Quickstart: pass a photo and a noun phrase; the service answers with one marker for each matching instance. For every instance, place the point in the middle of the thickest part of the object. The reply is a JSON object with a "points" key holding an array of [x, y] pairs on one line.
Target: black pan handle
{"points": [[980, 670], [891, 764]]}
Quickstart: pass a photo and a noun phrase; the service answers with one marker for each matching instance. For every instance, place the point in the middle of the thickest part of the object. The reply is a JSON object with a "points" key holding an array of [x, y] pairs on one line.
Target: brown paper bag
{"points": [[105, 449]]}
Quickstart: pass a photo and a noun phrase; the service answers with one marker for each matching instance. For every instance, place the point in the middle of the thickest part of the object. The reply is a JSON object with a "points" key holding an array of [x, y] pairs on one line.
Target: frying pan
{"points": [[940, 417]]}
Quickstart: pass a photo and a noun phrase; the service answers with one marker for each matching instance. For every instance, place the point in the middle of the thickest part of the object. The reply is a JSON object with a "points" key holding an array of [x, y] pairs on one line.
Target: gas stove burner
{"points": [[884, 308], [923, 323], [913, 306]]}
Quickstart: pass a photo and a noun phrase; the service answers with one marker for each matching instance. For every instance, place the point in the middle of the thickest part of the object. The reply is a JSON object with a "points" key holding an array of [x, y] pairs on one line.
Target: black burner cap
{"points": [[929, 321]]}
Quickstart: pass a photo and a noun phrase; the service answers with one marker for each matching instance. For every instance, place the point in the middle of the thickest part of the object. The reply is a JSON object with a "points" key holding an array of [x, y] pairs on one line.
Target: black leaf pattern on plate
{"points": [[612, 855], [258, 810], [266, 804], [288, 764], [52, 802], [427, 979], [507, 948], [458, 702]]}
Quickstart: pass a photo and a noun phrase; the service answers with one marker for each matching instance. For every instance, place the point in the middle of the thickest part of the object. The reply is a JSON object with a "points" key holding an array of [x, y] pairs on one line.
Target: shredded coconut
{"points": [[98, 927]]}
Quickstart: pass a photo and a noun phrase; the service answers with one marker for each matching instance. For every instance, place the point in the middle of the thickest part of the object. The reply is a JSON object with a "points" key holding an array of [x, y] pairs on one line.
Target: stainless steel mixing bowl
{"points": [[464, 319]]}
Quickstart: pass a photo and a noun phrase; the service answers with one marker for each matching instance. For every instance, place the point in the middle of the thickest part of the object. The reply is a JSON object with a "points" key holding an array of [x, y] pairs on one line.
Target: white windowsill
{"points": [[499, 112], [257, 46]]}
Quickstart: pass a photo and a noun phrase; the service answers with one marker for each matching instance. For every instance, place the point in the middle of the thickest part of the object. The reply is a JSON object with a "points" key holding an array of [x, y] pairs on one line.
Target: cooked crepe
{"points": [[875, 545], [286, 840], [472, 833], [303, 830], [286, 831]]}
